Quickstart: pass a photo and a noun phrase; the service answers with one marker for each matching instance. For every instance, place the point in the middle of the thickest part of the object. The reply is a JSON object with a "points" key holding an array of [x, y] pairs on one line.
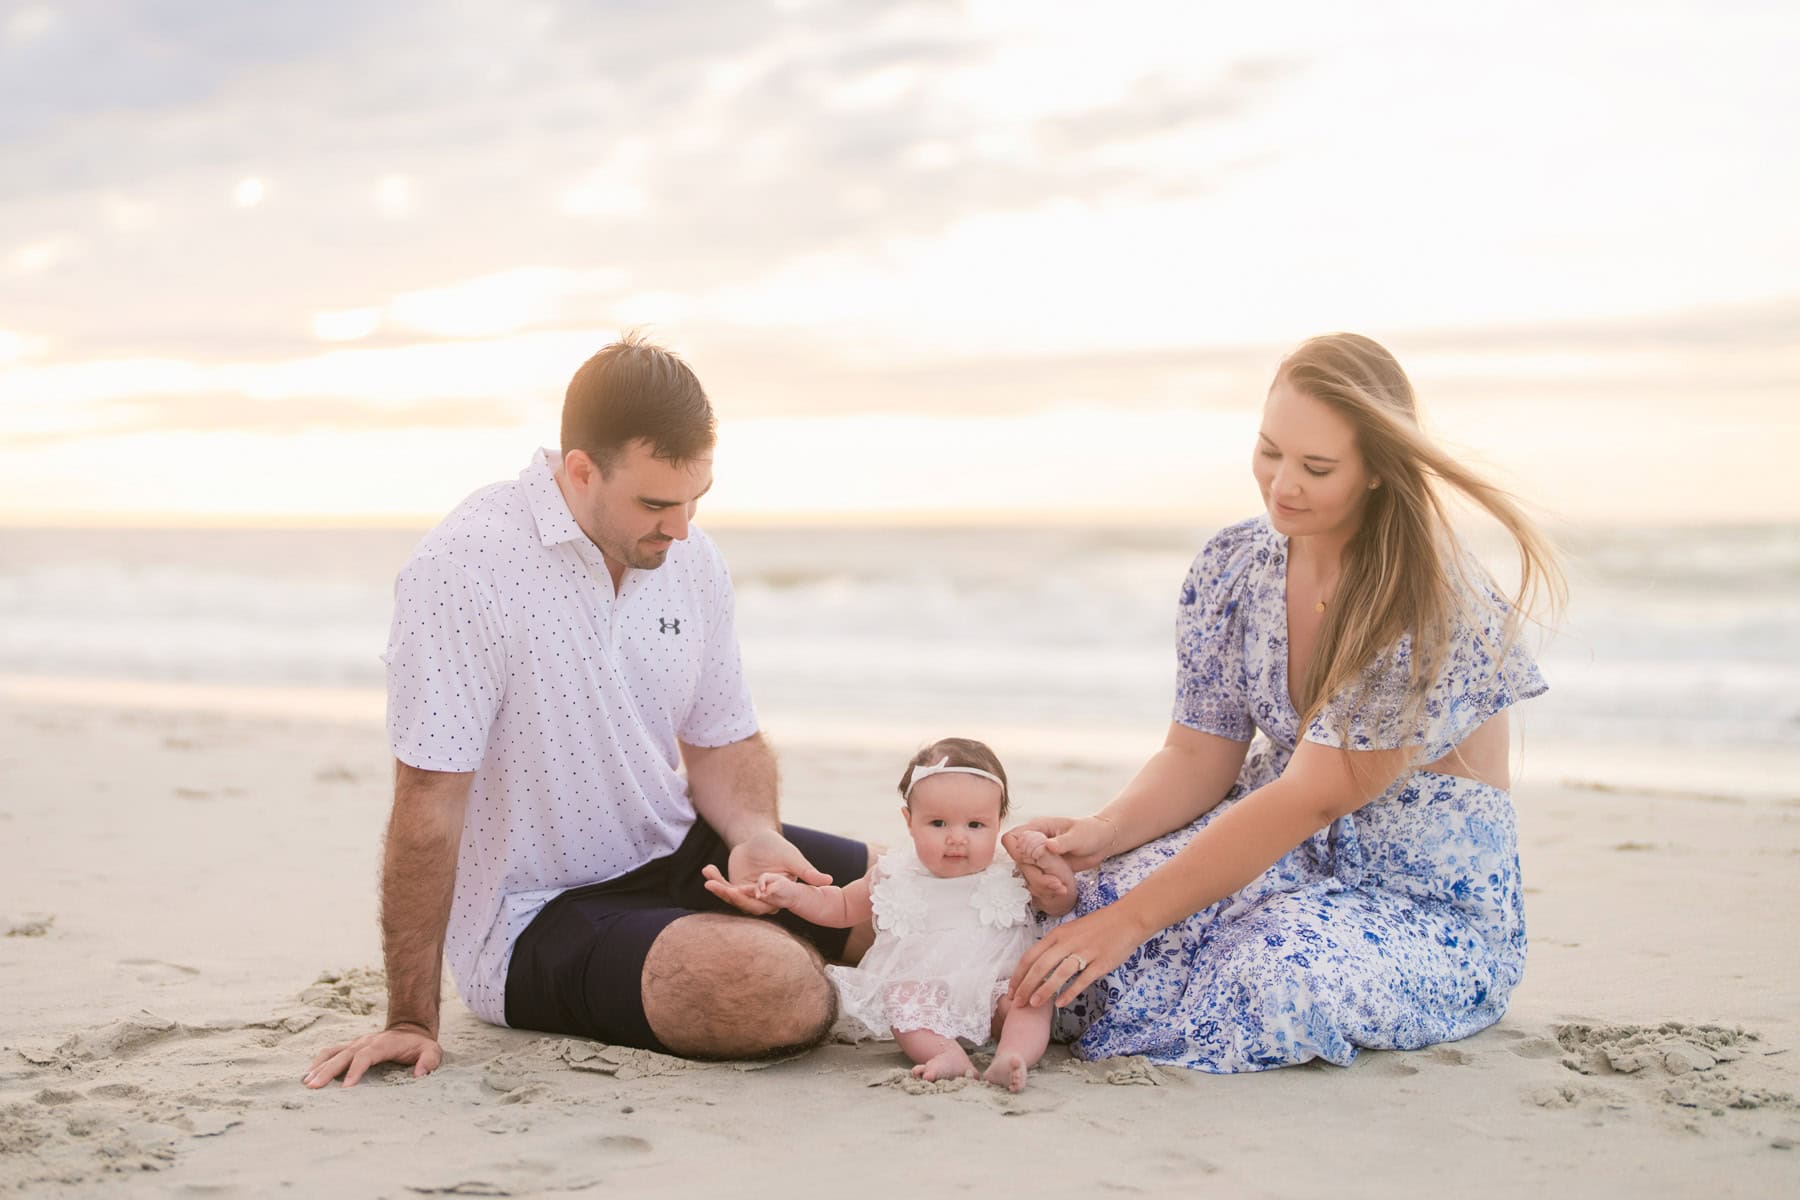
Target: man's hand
{"points": [[761, 853], [353, 1059], [418, 879]]}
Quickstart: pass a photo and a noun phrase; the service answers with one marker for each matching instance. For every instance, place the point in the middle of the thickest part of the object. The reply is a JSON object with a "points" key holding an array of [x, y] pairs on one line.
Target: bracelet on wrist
{"points": [[1112, 832]]}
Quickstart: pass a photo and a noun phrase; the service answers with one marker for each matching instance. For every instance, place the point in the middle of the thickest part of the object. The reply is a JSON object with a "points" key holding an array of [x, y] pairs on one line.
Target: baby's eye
{"points": [[977, 824], [936, 822]]}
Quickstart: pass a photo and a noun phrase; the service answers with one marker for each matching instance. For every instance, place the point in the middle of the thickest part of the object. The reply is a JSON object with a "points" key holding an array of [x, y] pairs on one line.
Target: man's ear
{"points": [[580, 469]]}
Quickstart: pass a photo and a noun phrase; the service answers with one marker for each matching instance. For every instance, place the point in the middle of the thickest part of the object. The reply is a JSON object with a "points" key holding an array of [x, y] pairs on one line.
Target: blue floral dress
{"points": [[1395, 927]]}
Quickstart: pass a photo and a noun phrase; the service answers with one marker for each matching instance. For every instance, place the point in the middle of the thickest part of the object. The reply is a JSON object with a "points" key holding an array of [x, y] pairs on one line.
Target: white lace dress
{"points": [[944, 951]]}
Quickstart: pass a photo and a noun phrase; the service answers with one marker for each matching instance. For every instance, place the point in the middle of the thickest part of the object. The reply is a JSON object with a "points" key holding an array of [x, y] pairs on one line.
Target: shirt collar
{"points": [[549, 511]]}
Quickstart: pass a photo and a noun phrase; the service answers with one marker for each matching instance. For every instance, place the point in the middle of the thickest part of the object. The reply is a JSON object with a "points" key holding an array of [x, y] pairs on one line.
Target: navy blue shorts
{"points": [[579, 966]]}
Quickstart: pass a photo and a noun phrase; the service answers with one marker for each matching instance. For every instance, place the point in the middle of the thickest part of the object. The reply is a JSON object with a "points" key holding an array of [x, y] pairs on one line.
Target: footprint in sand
{"points": [[1535, 1047], [154, 970], [1385, 1064]]}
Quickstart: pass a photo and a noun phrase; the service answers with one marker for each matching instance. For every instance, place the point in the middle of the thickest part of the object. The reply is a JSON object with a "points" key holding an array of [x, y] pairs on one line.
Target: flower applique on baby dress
{"points": [[944, 951]]}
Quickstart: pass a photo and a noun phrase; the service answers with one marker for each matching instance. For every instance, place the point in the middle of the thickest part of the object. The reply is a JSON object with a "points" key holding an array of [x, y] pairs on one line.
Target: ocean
{"points": [[1677, 666]]}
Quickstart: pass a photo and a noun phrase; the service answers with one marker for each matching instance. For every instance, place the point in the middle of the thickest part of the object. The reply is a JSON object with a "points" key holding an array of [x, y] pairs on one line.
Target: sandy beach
{"points": [[187, 898]]}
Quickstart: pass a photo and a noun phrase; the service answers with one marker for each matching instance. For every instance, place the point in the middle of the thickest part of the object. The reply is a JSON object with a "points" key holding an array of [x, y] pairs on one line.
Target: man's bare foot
{"points": [[952, 1063], [1007, 1070]]}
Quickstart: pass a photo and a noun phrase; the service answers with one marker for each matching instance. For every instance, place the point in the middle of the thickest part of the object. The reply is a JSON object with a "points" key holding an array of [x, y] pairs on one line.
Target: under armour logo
{"points": [[665, 625]]}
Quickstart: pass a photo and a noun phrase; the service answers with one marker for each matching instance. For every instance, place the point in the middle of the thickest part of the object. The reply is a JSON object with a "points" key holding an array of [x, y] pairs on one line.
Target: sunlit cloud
{"points": [[394, 196], [498, 304], [248, 193], [492, 306], [616, 188], [348, 325], [45, 253], [529, 368], [28, 23], [16, 347], [125, 215]]}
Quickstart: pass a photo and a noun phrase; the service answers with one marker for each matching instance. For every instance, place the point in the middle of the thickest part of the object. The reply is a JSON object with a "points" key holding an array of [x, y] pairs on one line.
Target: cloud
{"points": [[45, 253], [94, 57], [868, 186], [487, 306], [1160, 105], [1771, 324], [234, 413], [16, 347]]}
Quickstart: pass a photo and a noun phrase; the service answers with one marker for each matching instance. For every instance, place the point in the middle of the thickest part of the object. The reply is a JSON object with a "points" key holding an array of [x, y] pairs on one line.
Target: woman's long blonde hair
{"points": [[1404, 571]]}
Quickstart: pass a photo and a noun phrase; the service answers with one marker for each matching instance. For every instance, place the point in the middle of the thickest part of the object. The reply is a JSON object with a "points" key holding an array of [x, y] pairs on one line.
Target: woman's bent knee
{"points": [[735, 987]]}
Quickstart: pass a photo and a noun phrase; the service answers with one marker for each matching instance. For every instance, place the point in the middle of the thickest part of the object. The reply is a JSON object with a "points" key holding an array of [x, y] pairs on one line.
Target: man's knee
{"points": [[720, 986]]}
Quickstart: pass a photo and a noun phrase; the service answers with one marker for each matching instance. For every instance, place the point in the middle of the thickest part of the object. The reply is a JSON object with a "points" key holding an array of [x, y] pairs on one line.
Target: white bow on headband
{"points": [[943, 767]]}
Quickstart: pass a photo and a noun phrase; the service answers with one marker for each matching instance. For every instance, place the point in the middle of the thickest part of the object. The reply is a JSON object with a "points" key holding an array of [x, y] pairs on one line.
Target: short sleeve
{"points": [[1212, 689], [446, 667], [722, 711], [1473, 685], [894, 895]]}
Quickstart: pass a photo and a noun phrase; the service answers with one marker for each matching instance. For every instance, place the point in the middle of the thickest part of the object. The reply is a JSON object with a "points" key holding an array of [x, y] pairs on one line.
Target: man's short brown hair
{"points": [[632, 390]]}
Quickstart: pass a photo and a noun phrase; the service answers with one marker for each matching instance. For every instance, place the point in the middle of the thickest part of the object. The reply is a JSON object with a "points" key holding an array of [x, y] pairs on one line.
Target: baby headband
{"points": [[943, 767]]}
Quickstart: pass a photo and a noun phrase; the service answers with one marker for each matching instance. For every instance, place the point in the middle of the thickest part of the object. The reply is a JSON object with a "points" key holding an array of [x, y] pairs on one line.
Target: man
{"points": [[561, 646]]}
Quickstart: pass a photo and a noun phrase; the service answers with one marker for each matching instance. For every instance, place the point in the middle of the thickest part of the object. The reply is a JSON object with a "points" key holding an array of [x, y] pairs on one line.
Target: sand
{"points": [[187, 914]]}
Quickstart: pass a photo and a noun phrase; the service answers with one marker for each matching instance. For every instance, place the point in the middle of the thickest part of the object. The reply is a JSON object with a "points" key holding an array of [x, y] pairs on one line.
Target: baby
{"points": [[950, 925]]}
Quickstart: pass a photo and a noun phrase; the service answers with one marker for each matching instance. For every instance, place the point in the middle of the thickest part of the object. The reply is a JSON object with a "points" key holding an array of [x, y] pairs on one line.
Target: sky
{"points": [[335, 263]]}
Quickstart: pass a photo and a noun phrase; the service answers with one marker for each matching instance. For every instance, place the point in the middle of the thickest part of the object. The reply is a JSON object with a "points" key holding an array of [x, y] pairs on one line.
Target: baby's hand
{"points": [[777, 889], [1051, 882], [1025, 845]]}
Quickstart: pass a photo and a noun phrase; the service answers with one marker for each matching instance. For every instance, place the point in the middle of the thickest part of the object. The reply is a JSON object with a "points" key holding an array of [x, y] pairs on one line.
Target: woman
{"points": [[1322, 855]]}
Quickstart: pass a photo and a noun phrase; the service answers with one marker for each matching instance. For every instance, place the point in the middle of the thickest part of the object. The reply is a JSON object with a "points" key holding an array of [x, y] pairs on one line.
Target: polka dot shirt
{"points": [[510, 657]]}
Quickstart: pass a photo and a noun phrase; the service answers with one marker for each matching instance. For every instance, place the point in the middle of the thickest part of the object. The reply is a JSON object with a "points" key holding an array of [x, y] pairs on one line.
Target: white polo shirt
{"points": [[511, 657]]}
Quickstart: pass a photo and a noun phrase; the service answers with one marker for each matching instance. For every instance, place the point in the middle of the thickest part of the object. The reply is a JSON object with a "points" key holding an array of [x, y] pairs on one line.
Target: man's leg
{"points": [[719, 986], [654, 954]]}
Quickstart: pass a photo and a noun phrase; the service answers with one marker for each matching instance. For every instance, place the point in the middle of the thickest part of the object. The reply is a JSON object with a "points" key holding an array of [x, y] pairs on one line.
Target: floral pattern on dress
{"points": [[1395, 927]]}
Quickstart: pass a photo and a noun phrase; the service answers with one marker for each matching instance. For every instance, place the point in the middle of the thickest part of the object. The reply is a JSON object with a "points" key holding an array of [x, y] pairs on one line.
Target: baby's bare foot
{"points": [[948, 1064], [1007, 1070]]}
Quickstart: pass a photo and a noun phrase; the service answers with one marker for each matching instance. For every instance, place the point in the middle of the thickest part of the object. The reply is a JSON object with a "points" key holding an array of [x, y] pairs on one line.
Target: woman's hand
{"points": [[1071, 956], [1080, 843]]}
